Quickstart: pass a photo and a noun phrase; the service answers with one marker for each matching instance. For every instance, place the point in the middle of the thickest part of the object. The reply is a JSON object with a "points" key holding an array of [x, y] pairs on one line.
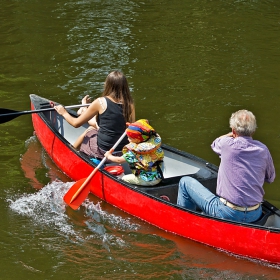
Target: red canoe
{"points": [[157, 205]]}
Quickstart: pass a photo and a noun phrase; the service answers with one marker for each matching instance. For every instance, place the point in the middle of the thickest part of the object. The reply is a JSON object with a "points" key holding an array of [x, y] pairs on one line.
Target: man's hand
{"points": [[230, 134]]}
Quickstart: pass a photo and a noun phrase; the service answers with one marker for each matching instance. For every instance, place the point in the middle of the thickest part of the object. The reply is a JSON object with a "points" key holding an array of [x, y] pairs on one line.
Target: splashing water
{"points": [[46, 207]]}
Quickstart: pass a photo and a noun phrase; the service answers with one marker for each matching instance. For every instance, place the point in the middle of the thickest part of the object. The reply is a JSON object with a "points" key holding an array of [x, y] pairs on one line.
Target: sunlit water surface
{"points": [[189, 64]]}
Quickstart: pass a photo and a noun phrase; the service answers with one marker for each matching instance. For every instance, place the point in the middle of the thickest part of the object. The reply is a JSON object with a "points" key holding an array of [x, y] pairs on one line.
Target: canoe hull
{"points": [[246, 240]]}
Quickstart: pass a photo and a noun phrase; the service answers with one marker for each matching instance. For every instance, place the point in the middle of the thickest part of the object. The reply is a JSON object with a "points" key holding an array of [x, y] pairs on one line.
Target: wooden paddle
{"points": [[80, 190], [8, 115]]}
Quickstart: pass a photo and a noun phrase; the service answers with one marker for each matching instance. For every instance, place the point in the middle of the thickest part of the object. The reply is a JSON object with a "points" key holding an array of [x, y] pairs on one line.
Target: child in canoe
{"points": [[143, 154]]}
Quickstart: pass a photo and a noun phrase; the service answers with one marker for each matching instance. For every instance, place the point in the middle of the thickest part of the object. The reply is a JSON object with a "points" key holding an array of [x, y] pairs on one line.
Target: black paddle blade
{"points": [[8, 115]]}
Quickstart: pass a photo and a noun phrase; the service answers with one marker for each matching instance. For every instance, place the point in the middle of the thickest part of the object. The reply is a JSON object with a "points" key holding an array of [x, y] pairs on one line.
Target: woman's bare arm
{"points": [[92, 110]]}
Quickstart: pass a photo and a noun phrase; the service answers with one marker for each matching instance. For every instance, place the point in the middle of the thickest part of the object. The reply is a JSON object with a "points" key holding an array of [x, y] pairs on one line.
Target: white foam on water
{"points": [[47, 208], [31, 139]]}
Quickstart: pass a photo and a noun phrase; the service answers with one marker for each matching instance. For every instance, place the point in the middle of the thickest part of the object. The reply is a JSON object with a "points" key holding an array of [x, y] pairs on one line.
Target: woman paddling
{"points": [[112, 111]]}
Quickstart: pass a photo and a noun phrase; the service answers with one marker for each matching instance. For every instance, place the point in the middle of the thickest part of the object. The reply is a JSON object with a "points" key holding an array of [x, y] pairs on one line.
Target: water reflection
{"points": [[37, 166]]}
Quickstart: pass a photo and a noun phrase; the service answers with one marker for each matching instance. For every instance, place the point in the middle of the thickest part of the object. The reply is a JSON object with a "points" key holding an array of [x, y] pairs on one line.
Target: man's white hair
{"points": [[243, 122]]}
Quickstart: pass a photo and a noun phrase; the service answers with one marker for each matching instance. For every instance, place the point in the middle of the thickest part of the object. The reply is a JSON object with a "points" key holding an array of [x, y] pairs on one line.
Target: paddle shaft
{"points": [[96, 168], [14, 113]]}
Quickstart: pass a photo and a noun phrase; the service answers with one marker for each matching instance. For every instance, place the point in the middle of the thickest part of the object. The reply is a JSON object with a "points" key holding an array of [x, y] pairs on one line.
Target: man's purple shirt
{"points": [[245, 165]]}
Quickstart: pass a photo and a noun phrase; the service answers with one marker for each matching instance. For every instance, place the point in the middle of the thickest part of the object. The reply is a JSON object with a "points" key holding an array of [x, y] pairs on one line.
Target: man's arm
{"points": [[216, 145], [270, 171]]}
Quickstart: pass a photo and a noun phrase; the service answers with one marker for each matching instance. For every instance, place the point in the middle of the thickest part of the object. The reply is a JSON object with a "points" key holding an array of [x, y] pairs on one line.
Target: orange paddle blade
{"points": [[79, 199]]}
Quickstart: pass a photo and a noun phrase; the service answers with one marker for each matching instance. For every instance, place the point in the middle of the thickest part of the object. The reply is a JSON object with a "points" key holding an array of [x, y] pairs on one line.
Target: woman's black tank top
{"points": [[111, 127]]}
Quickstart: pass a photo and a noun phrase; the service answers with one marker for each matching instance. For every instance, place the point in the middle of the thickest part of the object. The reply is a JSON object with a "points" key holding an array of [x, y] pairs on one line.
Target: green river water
{"points": [[189, 64]]}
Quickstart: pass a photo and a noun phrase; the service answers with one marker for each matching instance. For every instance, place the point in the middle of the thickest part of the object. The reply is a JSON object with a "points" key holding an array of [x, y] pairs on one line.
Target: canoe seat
{"points": [[262, 220]]}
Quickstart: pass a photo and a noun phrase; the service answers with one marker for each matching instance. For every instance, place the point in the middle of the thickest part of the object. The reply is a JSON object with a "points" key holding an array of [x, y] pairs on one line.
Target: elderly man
{"points": [[245, 165]]}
